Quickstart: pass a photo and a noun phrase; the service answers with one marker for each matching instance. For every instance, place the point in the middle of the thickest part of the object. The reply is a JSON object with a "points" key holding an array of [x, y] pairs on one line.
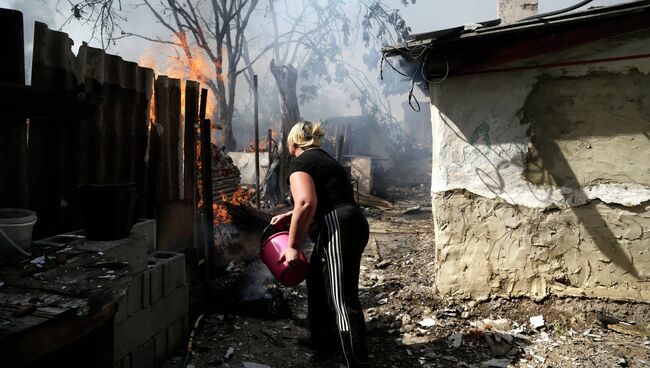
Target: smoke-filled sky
{"points": [[424, 16]]}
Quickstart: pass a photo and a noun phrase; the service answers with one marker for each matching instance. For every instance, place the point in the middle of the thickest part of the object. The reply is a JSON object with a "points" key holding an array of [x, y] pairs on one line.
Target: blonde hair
{"points": [[306, 134]]}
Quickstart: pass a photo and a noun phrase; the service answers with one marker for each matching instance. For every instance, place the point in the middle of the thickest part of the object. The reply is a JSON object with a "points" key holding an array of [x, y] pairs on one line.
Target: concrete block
{"points": [[146, 289], [156, 276], [175, 225], [121, 309], [176, 334], [132, 250], [145, 324], [148, 228], [134, 295], [126, 362], [160, 347], [173, 269], [148, 354], [138, 358]]}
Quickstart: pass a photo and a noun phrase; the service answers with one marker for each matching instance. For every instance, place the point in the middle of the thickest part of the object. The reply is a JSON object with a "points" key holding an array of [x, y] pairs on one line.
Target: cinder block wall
{"points": [[151, 322]]}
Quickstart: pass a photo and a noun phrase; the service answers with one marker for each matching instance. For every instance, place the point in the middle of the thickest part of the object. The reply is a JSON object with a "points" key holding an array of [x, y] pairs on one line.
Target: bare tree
{"points": [[310, 37], [312, 48], [104, 16], [212, 29]]}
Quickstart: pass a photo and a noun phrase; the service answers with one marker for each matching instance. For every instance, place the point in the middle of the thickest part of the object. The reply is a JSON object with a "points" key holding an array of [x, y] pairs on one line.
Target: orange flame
{"points": [[198, 67], [220, 211]]}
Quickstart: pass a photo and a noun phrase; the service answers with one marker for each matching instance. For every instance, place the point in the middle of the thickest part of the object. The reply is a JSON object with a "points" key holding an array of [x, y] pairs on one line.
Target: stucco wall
{"points": [[543, 175]]}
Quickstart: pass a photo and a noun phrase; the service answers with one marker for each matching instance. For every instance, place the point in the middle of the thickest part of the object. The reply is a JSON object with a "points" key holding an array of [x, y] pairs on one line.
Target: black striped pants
{"points": [[335, 313]]}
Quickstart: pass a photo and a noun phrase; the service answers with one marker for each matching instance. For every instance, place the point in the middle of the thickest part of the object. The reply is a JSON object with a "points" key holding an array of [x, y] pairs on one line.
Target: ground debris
{"points": [[410, 325]]}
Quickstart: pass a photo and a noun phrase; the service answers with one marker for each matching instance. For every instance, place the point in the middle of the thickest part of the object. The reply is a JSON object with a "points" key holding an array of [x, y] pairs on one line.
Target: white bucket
{"points": [[16, 227]]}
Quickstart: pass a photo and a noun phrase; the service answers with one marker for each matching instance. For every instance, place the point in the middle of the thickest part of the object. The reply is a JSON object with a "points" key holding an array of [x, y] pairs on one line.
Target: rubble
{"points": [[409, 325], [536, 321]]}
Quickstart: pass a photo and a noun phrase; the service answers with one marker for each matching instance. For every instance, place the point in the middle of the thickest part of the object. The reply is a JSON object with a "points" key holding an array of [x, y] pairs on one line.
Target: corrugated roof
{"points": [[474, 47], [490, 29]]}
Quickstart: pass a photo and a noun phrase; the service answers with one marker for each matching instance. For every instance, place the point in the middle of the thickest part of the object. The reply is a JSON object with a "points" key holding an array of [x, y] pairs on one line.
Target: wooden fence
{"points": [[85, 119]]}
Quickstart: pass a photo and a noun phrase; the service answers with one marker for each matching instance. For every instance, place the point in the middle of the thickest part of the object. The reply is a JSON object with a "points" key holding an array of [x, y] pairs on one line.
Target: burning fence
{"points": [[225, 175], [226, 188]]}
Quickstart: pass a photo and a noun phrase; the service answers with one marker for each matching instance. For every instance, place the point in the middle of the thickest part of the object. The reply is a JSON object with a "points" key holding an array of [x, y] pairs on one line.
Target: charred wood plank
{"points": [[53, 147], [206, 178], [13, 132]]}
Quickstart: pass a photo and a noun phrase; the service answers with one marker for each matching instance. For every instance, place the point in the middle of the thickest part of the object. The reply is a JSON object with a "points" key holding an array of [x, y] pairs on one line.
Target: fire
{"points": [[241, 196], [190, 63], [220, 212], [221, 215]]}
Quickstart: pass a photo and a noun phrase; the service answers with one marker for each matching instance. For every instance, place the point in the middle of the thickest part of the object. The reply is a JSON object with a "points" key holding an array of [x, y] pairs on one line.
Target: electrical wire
{"points": [[414, 53], [438, 81]]}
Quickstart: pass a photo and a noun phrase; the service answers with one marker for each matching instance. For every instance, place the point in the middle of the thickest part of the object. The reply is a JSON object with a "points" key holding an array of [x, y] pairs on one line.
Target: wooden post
{"points": [[339, 148], [257, 145], [189, 146], [269, 147], [206, 178], [13, 132], [191, 119]]}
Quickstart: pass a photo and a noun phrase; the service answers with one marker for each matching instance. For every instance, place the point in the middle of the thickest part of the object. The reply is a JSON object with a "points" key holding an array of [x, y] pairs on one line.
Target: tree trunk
{"points": [[286, 78]]}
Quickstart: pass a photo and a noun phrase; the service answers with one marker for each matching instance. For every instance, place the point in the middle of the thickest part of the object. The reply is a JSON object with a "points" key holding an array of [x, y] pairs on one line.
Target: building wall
{"points": [[510, 11], [541, 180]]}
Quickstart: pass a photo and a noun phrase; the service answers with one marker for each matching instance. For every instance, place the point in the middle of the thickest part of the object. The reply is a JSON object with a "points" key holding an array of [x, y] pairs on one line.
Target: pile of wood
{"points": [[226, 177]]}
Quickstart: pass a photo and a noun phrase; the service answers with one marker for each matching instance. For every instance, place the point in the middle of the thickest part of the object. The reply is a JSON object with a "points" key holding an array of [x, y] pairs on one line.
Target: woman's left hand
{"points": [[282, 219], [290, 256]]}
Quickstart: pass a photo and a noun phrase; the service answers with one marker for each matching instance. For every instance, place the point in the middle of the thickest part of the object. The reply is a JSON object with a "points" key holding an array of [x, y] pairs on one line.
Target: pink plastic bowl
{"points": [[272, 250]]}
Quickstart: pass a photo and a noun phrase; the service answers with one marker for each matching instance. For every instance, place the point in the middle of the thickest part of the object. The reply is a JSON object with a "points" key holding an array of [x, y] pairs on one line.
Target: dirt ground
{"points": [[251, 321]]}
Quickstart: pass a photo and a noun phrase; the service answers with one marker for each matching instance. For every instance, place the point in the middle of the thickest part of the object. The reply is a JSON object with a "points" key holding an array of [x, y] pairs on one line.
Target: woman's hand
{"points": [[290, 256], [282, 219]]}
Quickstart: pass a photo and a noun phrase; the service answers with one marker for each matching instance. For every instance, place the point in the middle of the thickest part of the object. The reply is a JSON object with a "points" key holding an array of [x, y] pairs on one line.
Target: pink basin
{"points": [[272, 250]]}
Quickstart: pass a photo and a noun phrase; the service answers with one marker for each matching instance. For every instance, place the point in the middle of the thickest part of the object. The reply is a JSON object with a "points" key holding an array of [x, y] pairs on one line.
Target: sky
{"points": [[440, 14], [424, 16]]}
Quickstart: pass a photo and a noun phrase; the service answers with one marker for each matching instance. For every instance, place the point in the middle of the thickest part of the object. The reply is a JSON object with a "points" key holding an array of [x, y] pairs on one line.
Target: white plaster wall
{"points": [[480, 142], [499, 234]]}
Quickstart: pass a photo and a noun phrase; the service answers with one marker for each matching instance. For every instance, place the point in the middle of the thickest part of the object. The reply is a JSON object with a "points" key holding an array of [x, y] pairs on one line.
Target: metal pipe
{"points": [[556, 12], [257, 143], [269, 147]]}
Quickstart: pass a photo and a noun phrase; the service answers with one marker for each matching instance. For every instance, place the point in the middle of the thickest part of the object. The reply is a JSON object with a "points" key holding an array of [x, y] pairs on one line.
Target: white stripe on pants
{"points": [[333, 255]]}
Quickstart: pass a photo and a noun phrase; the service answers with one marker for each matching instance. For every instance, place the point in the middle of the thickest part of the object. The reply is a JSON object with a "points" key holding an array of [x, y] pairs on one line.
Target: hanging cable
{"points": [[439, 81], [412, 95]]}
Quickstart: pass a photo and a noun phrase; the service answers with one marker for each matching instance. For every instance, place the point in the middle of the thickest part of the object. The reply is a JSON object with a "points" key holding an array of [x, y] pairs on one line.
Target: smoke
{"points": [[255, 282]]}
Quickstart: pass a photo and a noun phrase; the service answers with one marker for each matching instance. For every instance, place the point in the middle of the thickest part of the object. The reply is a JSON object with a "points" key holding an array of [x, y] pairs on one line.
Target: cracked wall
{"points": [[487, 247], [541, 178]]}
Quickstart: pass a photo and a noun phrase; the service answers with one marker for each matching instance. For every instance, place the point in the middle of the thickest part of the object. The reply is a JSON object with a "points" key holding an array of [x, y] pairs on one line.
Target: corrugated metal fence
{"points": [[99, 133]]}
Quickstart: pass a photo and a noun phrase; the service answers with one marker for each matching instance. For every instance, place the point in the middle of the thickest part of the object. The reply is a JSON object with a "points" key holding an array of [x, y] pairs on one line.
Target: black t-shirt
{"points": [[332, 185]]}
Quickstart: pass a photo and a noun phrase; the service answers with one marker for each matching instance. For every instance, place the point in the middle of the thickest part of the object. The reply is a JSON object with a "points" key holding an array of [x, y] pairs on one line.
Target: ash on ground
{"points": [[257, 323]]}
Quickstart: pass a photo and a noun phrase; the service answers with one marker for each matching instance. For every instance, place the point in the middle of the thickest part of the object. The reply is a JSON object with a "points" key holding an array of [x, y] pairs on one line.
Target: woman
{"points": [[321, 191]]}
